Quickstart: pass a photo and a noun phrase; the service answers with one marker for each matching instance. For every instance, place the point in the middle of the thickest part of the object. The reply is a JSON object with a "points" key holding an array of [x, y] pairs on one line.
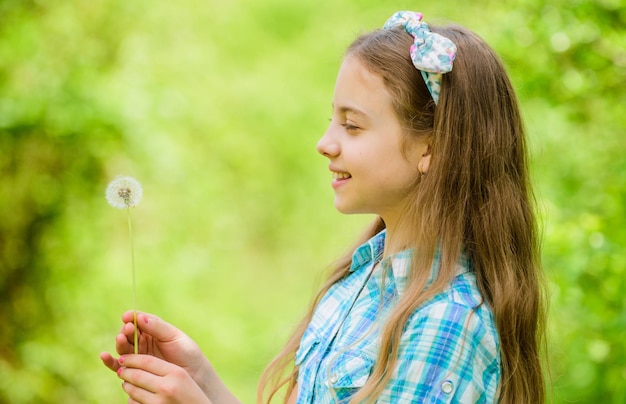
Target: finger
{"points": [[137, 394], [156, 376], [123, 345], [154, 326], [109, 361], [138, 379], [125, 341], [129, 330], [143, 372], [129, 316], [147, 363]]}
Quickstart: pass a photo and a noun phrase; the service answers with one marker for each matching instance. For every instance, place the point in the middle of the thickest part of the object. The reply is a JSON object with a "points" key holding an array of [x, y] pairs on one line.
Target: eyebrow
{"points": [[353, 110]]}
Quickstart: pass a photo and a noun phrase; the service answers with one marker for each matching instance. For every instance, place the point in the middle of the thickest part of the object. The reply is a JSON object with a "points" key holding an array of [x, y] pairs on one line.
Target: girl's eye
{"points": [[349, 127]]}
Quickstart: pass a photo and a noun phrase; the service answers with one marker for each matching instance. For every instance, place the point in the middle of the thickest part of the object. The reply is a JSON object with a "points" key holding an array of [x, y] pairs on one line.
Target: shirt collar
{"points": [[372, 251]]}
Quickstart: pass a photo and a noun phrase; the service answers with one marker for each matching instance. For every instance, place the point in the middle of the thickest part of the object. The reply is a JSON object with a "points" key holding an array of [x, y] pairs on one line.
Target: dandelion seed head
{"points": [[124, 192]]}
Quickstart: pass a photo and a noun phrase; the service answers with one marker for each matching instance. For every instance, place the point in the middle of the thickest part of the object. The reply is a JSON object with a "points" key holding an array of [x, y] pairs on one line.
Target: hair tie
{"points": [[431, 53]]}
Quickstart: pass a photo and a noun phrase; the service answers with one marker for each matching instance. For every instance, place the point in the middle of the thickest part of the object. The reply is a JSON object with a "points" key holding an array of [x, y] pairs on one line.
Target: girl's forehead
{"points": [[359, 90], [352, 68]]}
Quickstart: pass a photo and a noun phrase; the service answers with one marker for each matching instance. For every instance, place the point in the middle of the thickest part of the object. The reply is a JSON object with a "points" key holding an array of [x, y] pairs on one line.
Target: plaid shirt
{"points": [[449, 350]]}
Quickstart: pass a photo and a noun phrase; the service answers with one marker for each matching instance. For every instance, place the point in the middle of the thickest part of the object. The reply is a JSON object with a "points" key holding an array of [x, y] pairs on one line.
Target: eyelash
{"points": [[349, 127], [346, 125]]}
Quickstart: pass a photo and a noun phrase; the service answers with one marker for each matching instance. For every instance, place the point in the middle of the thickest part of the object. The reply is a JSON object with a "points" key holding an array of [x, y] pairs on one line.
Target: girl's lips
{"points": [[340, 178]]}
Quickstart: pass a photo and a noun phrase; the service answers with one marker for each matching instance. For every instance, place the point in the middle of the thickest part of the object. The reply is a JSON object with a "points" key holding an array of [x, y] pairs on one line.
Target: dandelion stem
{"points": [[132, 260]]}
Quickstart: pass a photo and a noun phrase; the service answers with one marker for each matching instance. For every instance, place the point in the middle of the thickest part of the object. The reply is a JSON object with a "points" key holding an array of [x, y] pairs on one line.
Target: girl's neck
{"points": [[393, 243]]}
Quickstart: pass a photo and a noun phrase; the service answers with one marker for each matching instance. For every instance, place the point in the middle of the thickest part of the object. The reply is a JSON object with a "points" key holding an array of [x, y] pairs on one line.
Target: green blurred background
{"points": [[216, 106]]}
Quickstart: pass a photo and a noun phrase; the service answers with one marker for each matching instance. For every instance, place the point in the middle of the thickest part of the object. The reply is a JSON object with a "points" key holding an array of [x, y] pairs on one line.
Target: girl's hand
{"points": [[148, 379], [161, 340]]}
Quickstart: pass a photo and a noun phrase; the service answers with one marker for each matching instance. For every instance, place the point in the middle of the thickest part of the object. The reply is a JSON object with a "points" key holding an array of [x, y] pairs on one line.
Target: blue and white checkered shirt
{"points": [[449, 350]]}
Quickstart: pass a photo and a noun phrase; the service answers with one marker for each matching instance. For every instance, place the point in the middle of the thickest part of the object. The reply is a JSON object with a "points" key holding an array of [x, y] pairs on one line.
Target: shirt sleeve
{"points": [[448, 353]]}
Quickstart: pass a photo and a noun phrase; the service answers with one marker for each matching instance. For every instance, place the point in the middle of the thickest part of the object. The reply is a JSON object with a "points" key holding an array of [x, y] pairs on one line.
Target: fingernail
{"points": [[119, 371], [121, 360]]}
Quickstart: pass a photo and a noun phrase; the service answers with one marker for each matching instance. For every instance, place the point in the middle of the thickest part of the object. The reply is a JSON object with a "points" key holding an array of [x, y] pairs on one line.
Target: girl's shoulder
{"points": [[451, 340], [463, 290], [461, 303]]}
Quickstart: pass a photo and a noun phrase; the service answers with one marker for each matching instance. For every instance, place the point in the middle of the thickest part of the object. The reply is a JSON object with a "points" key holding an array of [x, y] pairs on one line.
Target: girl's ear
{"points": [[424, 164]]}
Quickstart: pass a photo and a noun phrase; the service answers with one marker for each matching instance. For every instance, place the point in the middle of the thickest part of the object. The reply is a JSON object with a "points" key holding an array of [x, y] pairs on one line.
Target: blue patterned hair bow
{"points": [[431, 53]]}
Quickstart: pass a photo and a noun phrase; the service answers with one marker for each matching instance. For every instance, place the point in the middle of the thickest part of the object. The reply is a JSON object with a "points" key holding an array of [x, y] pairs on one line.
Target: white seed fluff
{"points": [[124, 192]]}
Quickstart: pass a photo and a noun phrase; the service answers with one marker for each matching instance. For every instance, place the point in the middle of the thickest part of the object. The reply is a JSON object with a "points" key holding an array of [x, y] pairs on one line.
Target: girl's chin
{"points": [[342, 207], [346, 208]]}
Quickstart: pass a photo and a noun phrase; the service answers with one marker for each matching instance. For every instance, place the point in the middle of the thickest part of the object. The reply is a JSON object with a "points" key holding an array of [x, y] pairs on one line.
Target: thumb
{"points": [[153, 325]]}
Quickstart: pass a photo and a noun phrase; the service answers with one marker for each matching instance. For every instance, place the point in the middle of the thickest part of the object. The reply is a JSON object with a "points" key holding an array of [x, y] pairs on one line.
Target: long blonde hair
{"points": [[475, 197]]}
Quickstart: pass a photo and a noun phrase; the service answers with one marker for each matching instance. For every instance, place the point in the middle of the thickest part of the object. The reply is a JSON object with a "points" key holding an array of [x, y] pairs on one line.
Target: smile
{"points": [[340, 176]]}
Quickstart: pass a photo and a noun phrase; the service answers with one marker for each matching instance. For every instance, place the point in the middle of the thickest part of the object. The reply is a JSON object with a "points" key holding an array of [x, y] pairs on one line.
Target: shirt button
{"points": [[447, 387], [334, 378]]}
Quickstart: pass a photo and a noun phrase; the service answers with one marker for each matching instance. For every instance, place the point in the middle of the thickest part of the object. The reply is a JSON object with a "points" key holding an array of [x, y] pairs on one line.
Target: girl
{"points": [[441, 300]]}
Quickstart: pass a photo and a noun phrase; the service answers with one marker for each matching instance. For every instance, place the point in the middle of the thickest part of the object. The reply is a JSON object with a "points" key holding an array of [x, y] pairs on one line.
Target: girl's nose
{"points": [[327, 146]]}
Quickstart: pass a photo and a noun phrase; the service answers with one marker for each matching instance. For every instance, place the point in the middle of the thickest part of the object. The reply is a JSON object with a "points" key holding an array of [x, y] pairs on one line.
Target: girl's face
{"points": [[372, 164]]}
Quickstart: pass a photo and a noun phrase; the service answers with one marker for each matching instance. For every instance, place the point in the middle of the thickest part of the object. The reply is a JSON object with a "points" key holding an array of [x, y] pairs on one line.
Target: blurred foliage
{"points": [[216, 107]]}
